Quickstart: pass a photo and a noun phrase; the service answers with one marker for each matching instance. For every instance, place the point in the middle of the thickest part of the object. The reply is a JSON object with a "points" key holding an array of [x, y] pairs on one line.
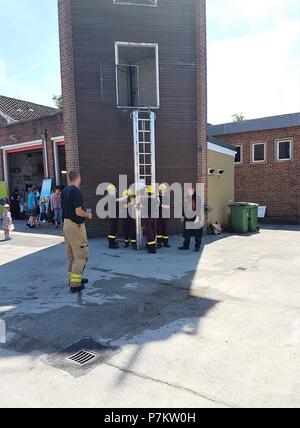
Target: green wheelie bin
{"points": [[253, 218], [239, 217]]}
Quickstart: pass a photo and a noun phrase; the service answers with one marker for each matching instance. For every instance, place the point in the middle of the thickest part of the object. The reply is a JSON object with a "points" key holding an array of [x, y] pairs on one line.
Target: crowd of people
{"points": [[35, 209], [41, 210]]}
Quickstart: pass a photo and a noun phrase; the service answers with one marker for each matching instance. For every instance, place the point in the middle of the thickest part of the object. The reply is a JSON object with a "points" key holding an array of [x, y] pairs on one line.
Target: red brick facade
{"points": [[32, 131], [273, 183]]}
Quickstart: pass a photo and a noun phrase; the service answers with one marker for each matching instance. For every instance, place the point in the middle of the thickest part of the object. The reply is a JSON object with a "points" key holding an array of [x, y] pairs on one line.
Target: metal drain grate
{"points": [[83, 357]]}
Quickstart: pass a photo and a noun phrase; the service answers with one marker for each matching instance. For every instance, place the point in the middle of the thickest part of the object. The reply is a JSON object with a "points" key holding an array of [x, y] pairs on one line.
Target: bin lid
{"points": [[238, 204], [251, 205]]}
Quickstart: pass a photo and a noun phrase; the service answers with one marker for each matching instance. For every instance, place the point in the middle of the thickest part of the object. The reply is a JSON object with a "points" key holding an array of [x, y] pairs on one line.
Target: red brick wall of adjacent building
{"points": [[32, 131], [273, 183]]}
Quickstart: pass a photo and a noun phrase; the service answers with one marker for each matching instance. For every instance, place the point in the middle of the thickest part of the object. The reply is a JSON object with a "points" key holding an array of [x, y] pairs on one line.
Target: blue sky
{"points": [[254, 55]]}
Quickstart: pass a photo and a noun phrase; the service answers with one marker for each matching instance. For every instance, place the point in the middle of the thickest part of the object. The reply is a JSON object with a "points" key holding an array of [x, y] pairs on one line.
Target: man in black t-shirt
{"points": [[75, 232]]}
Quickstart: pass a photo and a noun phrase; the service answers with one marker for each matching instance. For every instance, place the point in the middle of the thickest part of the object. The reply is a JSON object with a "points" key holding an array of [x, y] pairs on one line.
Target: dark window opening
{"points": [[137, 76], [238, 156], [284, 150], [152, 3], [259, 153]]}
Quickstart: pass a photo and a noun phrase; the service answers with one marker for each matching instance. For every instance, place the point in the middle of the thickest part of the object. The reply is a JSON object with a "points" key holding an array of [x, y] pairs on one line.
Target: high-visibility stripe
{"points": [[152, 243], [160, 237], [133, 242], [165, 237], [75, 278], [69, 274], [127, 241], [112, 237]]}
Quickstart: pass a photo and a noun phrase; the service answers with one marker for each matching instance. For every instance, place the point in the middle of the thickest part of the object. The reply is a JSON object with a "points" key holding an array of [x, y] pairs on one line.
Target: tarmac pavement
{"points": [[179, 329]]}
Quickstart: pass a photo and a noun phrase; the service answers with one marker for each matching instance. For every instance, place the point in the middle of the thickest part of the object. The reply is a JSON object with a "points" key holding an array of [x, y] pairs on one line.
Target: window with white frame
{"points": [[258, 152], [284, 150], [239, 155], [137, 74], [152, 3]]}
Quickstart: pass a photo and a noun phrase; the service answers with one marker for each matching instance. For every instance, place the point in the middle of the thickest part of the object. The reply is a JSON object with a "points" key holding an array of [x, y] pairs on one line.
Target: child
{"points": [[43, 212], [6, 222]]}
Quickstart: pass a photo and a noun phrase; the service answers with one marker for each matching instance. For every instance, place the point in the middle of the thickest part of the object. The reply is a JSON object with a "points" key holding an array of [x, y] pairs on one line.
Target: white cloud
{"points": [[257, 74], [251, 12]]}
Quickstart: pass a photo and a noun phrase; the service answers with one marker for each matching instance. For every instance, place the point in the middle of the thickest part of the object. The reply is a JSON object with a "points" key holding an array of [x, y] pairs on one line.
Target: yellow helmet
{"points": [[163, 187], [111, 188], [150, 190], [130, 193], [43, 200], [125, 193]]}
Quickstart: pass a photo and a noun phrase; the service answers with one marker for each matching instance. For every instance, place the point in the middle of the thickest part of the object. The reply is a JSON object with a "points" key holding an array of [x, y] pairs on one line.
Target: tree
{"points": [[238, 117], [58, 101]]}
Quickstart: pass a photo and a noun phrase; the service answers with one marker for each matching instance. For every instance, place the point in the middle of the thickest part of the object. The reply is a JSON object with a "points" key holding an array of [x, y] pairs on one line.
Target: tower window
{"points": [[152, 3], [137, 74]]}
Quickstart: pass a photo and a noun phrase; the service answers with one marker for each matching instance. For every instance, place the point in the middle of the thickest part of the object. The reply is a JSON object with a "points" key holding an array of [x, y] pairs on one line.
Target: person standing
{"points": [[6, 222], [56, 207], [163, 219], [129, 223], [15, 204], [193, 224], [32, 203], [151, 220], [113, 217], [75, 234]]}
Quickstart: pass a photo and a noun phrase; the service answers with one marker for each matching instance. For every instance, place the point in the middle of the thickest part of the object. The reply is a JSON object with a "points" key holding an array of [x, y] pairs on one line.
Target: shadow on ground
{"points": [[43, 318]]}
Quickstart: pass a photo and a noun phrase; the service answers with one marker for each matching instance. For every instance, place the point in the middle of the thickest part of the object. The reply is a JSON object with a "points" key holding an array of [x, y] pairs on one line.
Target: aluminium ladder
{"points": [[144, 160]]}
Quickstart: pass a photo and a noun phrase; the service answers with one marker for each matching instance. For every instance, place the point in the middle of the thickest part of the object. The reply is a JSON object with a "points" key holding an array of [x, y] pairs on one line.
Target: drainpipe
{"points": [[45, 153]]}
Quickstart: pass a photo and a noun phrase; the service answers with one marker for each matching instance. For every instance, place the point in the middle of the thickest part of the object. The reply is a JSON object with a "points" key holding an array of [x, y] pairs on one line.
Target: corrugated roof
{"points": [[263, 124], [13, 110]]}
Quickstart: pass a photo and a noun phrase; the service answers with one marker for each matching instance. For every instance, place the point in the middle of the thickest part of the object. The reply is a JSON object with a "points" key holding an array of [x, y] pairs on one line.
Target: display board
{"points": [[3, 196]]}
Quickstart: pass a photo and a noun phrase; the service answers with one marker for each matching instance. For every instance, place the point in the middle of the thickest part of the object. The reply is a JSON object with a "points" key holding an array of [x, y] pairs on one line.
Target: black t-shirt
{"points": [[71, 200]]}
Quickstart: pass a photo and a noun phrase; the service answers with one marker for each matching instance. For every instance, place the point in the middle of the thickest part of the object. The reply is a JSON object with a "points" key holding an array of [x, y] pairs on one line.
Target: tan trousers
{"points": [[77, 251]]}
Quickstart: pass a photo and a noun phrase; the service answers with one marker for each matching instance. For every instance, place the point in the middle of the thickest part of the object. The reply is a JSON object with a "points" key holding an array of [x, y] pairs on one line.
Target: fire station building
{"points": [[31, 144]]}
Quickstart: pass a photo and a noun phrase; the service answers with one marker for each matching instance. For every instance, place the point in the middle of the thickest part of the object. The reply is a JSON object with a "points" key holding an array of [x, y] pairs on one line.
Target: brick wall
{"points": [[32, 131], [202, 94], [273, 183], [68, 86]]}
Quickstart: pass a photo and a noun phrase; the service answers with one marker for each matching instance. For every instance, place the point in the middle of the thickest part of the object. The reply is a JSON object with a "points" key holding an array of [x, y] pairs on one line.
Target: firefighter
{"points": [[128, 223], [193, 223], [113, 217], [75, 233], [163, 219], [151, 220]]}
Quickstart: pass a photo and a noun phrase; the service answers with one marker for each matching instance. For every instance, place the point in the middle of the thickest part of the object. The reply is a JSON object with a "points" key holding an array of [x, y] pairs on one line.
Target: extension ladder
{"points": [[144, 160]]}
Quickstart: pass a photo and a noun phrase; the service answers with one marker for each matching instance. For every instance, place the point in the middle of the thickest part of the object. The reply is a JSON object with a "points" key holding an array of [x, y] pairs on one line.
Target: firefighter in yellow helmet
{"points": [[151, 220], [163, 219], [128, 223], [113, 218]]}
